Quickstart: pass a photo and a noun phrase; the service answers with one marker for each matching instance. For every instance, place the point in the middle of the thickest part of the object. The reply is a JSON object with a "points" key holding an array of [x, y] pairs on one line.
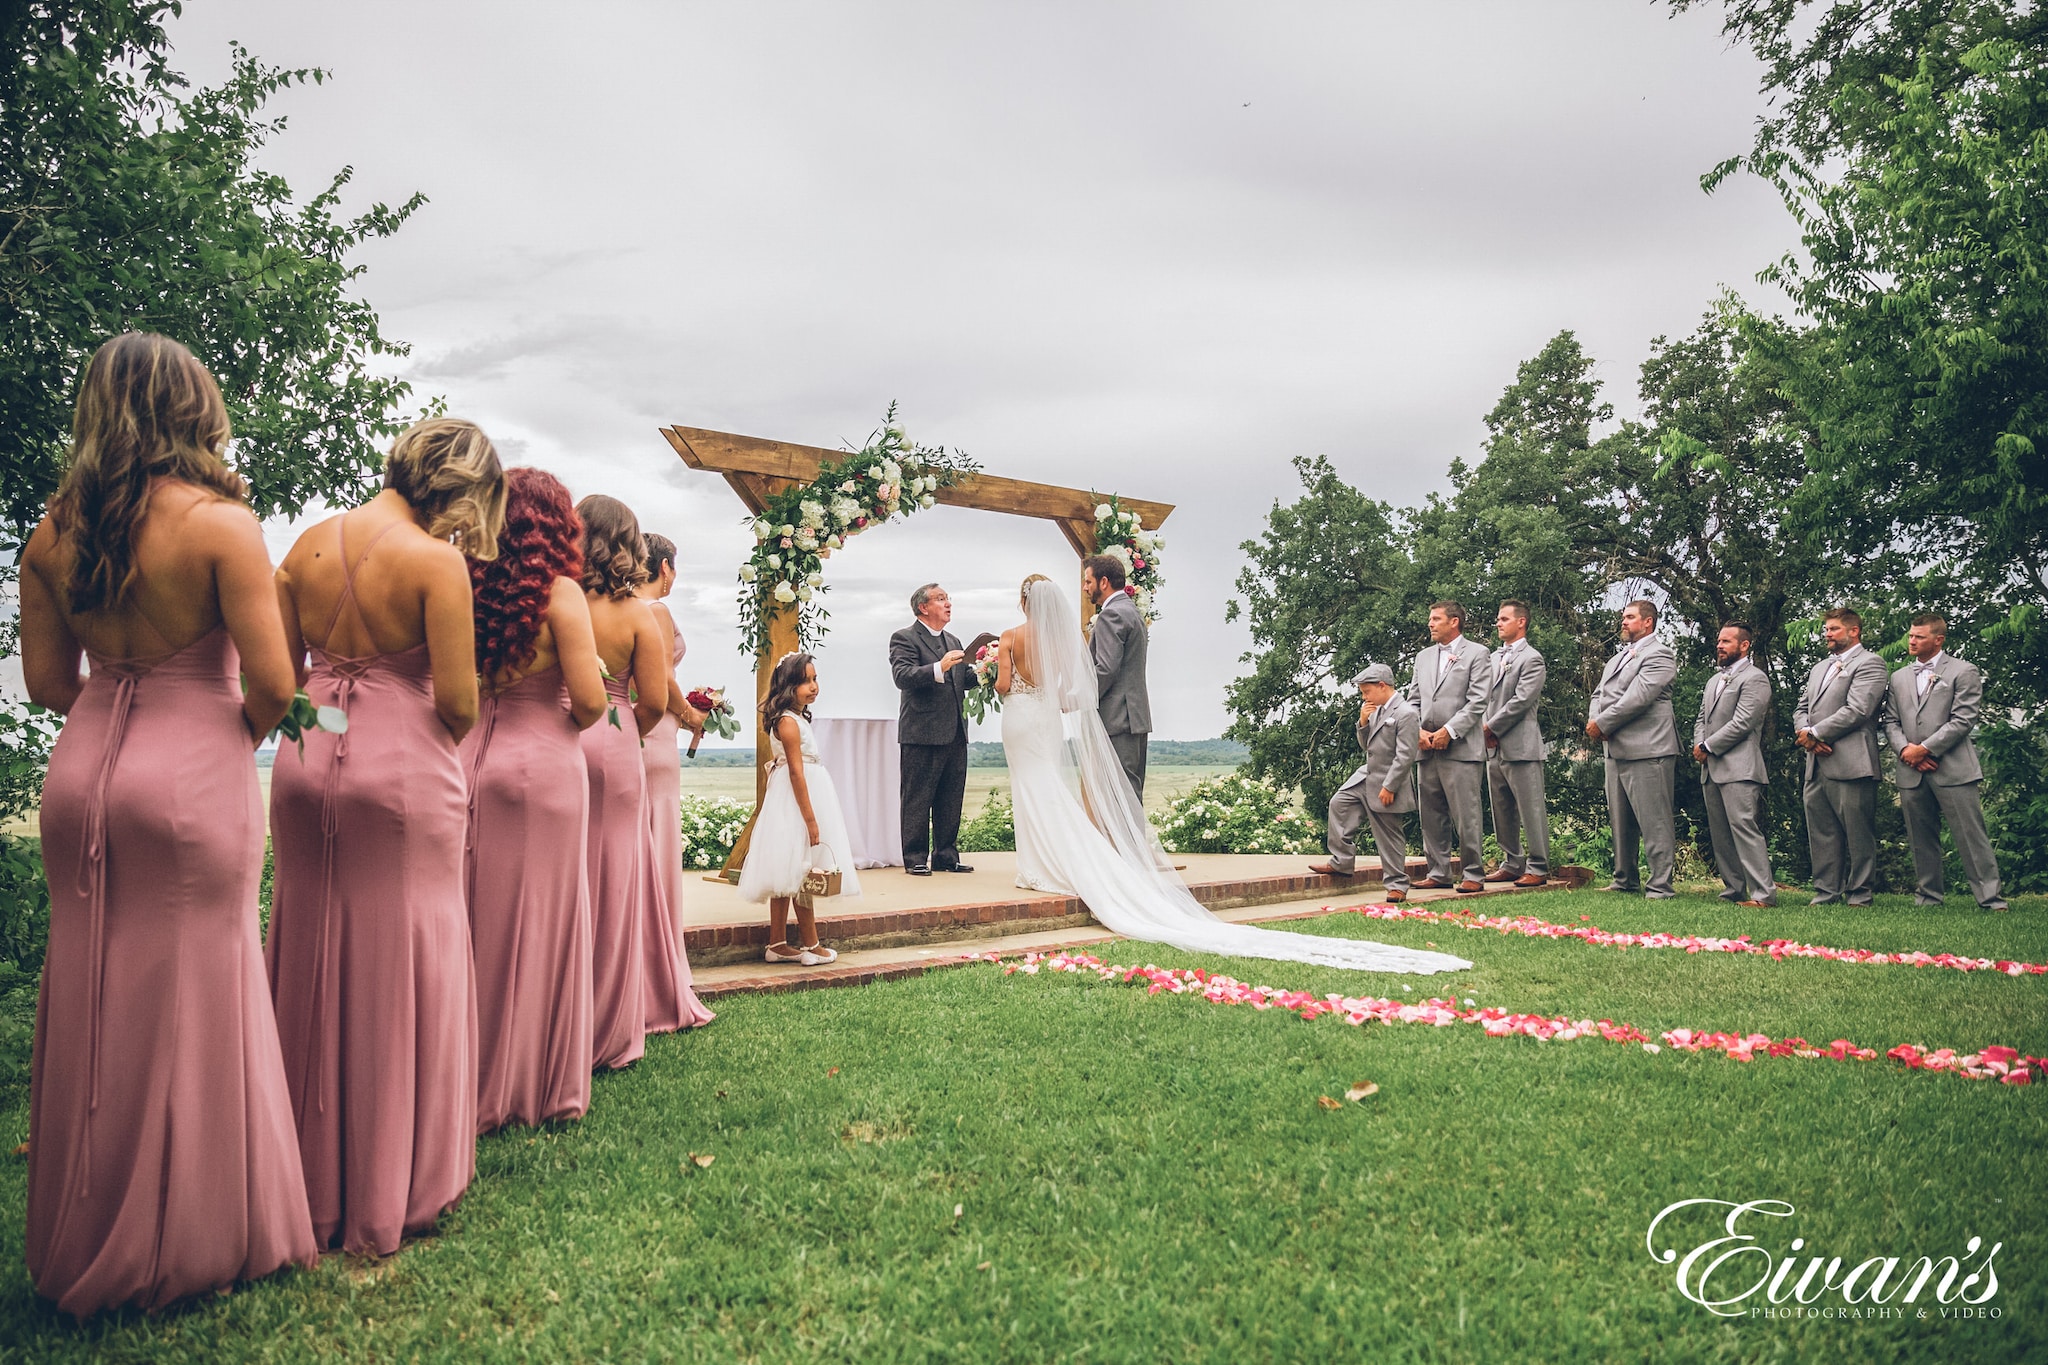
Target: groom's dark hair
{"points": [[1108, 568]]}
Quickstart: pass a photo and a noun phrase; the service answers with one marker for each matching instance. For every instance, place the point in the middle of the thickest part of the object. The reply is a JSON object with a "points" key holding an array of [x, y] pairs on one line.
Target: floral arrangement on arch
{"points": [[1119, 533], [798, 529]]}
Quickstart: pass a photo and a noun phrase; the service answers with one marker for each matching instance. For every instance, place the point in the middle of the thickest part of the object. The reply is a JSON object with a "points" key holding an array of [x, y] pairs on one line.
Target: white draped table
{"points": [[866, 768]]}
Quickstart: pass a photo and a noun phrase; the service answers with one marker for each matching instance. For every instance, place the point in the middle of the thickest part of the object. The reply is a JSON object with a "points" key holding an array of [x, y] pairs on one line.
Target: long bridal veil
{"points": [[1101, 847]]}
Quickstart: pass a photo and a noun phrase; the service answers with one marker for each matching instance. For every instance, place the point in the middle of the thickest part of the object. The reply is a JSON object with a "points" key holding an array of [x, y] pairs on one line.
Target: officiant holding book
{"points": [[930, 669]]}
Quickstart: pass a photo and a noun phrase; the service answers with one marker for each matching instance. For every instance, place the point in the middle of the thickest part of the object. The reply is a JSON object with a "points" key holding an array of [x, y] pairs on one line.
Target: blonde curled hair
{"points": [[1024, 592], [614, 552], [448, 469]]}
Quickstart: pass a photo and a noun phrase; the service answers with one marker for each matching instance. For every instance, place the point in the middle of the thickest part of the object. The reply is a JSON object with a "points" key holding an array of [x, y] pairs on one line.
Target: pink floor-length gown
{"points": [[162, 1161], [671, 1000], [369, 951], [529, 905], [618, 890]]}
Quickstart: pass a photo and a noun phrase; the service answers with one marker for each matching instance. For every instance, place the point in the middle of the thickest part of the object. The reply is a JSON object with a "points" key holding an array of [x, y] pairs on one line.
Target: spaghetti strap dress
{"points": [[529, 906], [161, 1158], [671, 999], [369, 949], [618, 887]]}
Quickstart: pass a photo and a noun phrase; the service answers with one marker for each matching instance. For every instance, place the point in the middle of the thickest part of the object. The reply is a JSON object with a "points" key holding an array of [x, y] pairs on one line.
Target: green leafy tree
{"points": [[130, 201]]}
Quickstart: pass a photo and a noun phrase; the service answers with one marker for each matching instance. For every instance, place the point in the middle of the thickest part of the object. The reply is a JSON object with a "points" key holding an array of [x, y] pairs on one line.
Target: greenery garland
{"points": [[800, 528]]}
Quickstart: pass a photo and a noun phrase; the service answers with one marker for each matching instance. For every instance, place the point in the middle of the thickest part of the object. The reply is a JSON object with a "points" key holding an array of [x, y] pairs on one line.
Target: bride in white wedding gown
{"points": [[1080, 828]]}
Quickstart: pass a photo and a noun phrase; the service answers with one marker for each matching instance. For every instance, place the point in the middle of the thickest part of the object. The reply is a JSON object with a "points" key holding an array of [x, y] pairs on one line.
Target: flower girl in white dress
{"points": [[799, 814]]}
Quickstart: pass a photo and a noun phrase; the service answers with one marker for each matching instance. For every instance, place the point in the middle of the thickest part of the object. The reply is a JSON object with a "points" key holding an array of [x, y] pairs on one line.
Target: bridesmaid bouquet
{"points": [[718, 715], [303, 716], [983, 698]]}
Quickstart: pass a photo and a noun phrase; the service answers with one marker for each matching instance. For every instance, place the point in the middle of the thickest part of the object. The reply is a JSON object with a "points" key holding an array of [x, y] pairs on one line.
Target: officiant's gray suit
{"points": [[1514, 767], [1936, 705], [1449, 690], [1733, 713], [1841, 705], [1117, 642], [1391, 741], [1632, 706]]}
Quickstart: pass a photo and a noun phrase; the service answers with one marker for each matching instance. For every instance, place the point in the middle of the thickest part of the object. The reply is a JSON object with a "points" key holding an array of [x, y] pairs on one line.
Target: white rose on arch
{"points": [[803, 594], [784, 593], [1102, 512], [927, 501], [774, 561], [814, 579], [747, 574]]}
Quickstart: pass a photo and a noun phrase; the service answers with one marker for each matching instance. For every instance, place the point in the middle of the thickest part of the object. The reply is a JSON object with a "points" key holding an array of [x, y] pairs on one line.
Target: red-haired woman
{"points": [[672, 1002], [369, 935], [529, 907], [161, 1158], [634, 654]]}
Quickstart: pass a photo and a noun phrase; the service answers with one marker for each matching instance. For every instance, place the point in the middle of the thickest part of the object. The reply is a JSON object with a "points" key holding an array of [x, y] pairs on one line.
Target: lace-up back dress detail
{"points": [[369, 949], [162, 1161]]}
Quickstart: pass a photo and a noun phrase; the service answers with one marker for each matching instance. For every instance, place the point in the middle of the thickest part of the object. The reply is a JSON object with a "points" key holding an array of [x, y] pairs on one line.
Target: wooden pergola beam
{"points": [[753, 465]]}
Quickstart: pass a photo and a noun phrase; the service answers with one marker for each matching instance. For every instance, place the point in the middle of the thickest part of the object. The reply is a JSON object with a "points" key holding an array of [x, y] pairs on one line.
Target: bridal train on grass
{"points": [[1081, 830]]}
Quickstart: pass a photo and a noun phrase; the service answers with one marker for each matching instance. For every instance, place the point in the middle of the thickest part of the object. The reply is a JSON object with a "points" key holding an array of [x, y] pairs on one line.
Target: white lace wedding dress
{"points": [[1082, 832]]}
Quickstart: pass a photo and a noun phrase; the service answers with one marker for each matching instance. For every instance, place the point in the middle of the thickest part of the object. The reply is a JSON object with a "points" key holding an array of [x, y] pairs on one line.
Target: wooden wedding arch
{"points": [[758, 469]]}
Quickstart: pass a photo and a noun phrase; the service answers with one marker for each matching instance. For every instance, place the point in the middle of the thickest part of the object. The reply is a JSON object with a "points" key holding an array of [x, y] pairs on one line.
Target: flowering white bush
{"points": [[711, 826], [1237, 814]]}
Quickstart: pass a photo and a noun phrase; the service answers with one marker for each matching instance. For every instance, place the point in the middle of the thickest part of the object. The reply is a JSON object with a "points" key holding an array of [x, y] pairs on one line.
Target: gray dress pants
{"points": [[1131, 751], [1451, 809], [1354, 807], [1519, 807], [1735, 822], [1925, 806], [1639, 798], [1841, 835]]}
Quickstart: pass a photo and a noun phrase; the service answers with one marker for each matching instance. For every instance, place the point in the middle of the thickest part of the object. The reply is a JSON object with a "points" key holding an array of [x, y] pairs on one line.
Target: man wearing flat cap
{"points": [[1382, 791]]}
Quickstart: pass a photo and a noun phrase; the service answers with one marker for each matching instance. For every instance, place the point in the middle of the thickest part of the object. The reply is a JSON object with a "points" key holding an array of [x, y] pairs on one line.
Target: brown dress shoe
{"points": [[1325, 870], [1532, 879], [1396, 897], [1468, 887], [1429, 884], [1501, 874]]}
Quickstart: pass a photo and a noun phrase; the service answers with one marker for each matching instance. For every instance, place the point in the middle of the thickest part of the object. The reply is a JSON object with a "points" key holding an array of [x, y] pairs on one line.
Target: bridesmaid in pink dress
{"points": [[671, 1002], [631, 648], [161, 1159], [369, 931], [529, 803]]}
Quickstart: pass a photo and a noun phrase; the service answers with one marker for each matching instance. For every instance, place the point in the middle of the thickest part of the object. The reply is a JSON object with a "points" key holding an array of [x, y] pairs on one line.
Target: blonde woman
{"points": [[369, 932]]}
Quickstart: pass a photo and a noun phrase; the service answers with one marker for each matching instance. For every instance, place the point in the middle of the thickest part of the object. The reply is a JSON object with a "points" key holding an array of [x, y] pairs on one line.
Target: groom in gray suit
{"points": [[1116, 639], [1728, 744], [1837, 720], [1449, 688], [1514, 747], [1933, 708], [1631, 716]]}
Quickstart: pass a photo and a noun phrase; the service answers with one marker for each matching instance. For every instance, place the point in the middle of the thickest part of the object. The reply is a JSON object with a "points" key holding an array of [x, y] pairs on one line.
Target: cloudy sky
{"points": [[1151, 248]]}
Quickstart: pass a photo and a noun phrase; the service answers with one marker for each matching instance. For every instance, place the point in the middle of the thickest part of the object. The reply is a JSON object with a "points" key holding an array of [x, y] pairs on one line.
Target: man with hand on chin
{"points": [[1449, 689], [1935, 700], [1631, 717], [1836, 724], [1382, 790], [930, 669]]}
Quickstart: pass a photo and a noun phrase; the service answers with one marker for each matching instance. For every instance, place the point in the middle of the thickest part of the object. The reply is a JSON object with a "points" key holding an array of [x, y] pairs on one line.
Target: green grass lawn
{"points": [[1150, 1178]]}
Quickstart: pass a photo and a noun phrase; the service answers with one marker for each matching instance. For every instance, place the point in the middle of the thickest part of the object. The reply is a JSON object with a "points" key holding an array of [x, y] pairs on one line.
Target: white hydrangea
{"points": [[812, 513], [844, 510], [1119, 552], [892, 472]]}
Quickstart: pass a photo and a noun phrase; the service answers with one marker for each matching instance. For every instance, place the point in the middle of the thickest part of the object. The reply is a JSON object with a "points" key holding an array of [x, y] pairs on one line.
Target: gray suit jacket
{"points": [[1392, 740], [1453, 696], [1942, 720], [1844, 714], [1632, 703], [1117, 641], [1731, 726], [1513, 690]]}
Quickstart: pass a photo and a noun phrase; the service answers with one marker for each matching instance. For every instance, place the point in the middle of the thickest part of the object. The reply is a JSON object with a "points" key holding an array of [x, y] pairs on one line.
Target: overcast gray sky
{"points": [[1150, 248]]}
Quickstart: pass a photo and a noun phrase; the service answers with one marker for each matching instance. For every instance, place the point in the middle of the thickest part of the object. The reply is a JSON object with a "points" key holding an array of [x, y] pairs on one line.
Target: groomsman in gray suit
{"points": [[1449, 688], [1514, 746], [1382, 791], [1728, 743], [1837, 724], [1934, 705], [1631, 716]]}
